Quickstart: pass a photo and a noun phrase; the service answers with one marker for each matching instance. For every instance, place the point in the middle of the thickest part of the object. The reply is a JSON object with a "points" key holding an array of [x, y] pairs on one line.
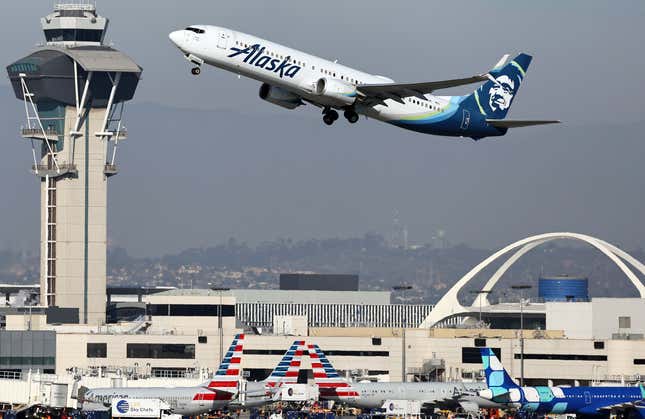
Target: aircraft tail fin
{"points": [[286, 372], [329, 382], [229, 372], [497, 379], [494, 98]]}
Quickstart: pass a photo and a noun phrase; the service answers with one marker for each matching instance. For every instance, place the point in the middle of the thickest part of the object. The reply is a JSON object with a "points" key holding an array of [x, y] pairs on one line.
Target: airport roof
{"points": [[290, 296], [98, 58]]}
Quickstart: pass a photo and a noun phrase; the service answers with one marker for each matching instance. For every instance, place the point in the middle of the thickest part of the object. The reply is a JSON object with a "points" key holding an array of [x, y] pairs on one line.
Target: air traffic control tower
{"points": [[74, 88]]}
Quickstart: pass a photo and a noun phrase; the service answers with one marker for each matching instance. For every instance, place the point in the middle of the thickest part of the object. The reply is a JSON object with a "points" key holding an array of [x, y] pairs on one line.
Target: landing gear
{"points": [[351, 116], [329, 116], [196, 71]]}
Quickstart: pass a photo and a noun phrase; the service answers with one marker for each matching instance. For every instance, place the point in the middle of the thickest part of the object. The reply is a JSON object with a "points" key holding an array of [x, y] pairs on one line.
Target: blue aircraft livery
{"points": [[596, 401], [291, 78], [254, 56]]}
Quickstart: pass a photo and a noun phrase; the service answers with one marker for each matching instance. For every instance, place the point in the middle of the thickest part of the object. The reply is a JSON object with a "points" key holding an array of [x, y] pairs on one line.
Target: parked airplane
{"points": [[215, 393], [558, 400], [332, 386], [290, 78], [226, 388]]}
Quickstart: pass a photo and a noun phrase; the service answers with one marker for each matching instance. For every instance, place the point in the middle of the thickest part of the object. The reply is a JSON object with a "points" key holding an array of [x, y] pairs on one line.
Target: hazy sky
{"points": [[298, 178]]}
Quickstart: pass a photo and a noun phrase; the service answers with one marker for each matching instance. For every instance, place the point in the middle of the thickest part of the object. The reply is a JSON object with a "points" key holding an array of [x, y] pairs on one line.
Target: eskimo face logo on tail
{"points": [[501, 94], [255, 57]]}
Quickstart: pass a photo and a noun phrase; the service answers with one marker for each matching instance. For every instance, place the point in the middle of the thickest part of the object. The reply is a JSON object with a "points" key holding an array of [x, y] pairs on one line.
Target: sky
{"points": [[206, 159]]}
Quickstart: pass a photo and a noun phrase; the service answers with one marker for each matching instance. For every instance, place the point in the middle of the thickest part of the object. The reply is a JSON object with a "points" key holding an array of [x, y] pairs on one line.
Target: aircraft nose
{"points": [[176, 37]]}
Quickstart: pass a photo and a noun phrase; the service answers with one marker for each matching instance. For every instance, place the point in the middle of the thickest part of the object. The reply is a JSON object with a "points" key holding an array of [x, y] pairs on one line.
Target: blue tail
{"points": [[497, 379], [494, 98]]}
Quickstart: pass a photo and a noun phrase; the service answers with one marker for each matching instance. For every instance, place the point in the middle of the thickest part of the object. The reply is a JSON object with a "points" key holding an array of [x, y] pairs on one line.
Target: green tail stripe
{"points": [[516, 65], [479, 104]]}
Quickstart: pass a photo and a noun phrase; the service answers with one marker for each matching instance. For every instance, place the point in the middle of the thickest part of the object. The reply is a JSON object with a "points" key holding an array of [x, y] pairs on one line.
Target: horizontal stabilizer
{"points": [[517, 123]]}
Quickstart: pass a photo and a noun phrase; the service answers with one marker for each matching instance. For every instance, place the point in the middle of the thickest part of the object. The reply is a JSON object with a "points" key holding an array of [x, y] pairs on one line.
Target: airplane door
{"points": [[587, 397], [222, 39], [465, 121]]}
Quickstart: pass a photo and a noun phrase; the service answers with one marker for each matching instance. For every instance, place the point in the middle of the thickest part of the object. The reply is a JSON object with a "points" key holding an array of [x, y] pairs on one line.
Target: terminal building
{"points": [[73, 88]]}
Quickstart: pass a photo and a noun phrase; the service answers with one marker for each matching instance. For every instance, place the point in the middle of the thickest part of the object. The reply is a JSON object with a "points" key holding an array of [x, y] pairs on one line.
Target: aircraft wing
{"points": [[517, 123], [378, 93], [398, 91]]}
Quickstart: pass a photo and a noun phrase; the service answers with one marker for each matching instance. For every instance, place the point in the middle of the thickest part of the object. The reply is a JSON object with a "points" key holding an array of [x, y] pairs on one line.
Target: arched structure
{"points": [[449, 304]]}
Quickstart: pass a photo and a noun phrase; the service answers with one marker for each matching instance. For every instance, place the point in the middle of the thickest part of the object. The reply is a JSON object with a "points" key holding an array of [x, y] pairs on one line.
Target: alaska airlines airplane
{"points": [[290, 78], [374, 395], [226, 388], [599, 401]]}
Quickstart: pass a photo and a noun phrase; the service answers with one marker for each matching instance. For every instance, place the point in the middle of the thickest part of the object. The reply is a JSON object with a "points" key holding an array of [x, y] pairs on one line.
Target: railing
{"points": [[74, 6], [62, 168], [38, 133], [111, 169]]}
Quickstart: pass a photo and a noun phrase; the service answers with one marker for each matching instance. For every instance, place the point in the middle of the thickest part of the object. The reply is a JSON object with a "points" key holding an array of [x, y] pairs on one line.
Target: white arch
{"points": [[502, 270], [449, 304]]}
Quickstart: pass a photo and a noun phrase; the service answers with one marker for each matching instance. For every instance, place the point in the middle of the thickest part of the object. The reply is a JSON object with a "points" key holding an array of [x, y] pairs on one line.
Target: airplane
{"points": [[225, 389], [216, 393], [596, 401], [332, 386], [291, 78]]}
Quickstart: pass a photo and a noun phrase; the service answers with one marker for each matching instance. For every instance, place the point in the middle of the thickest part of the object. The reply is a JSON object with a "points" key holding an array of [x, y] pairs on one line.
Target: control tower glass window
{"points": [[73, 35]]}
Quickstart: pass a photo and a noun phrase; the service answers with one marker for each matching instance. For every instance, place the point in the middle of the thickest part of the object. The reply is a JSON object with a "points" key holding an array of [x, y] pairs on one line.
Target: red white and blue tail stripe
{"points": [[286, 372], [330, 383], [228, 374]]}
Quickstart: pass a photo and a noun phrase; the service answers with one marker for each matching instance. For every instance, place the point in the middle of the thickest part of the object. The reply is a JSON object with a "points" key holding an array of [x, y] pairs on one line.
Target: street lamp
{"points": [[521, 288], [479, 297], [403, 288], [220, 290]]}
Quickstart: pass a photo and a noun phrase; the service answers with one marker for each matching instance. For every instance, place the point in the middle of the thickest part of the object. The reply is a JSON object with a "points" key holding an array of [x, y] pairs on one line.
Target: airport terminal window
{"points": [[599, 345], [376, 341], [202, 339], [479, 342], [190, 310], [639, 361], [83, 35], [97, 350], [160, 350], [473, 355], [564, 357]]}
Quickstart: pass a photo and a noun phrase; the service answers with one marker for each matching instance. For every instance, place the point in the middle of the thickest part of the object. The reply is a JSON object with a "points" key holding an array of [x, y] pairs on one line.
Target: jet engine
{"points": [[279, 96], [339, 91]]}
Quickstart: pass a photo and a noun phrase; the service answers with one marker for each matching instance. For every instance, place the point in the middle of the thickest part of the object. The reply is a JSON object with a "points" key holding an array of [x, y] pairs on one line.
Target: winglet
{"points": [[640, 385], [501, 62]]}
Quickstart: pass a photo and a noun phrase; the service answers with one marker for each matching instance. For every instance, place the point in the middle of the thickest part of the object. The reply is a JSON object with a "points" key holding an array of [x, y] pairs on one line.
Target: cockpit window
{"points": [[196, 30]]}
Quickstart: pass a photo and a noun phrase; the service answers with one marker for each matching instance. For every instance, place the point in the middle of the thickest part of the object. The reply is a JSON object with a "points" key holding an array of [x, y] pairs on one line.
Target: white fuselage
{"points": [[215, 45], [186, 401], [374, 395]]}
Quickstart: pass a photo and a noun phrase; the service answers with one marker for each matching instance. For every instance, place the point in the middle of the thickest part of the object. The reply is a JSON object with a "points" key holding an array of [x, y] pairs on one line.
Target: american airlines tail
{"points": [[330, 383], [229, 372], [286, 372]]}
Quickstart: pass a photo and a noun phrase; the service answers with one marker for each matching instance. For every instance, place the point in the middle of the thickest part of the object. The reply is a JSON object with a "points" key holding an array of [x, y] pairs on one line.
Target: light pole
{"points": [[403, 288], [220, 290], [479, 296], [521, 288]]}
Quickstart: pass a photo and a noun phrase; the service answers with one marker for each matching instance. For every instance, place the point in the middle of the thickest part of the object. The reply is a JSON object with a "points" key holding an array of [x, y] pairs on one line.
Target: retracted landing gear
{"points": [[196, 71], [351, 115], [329, 116]]}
